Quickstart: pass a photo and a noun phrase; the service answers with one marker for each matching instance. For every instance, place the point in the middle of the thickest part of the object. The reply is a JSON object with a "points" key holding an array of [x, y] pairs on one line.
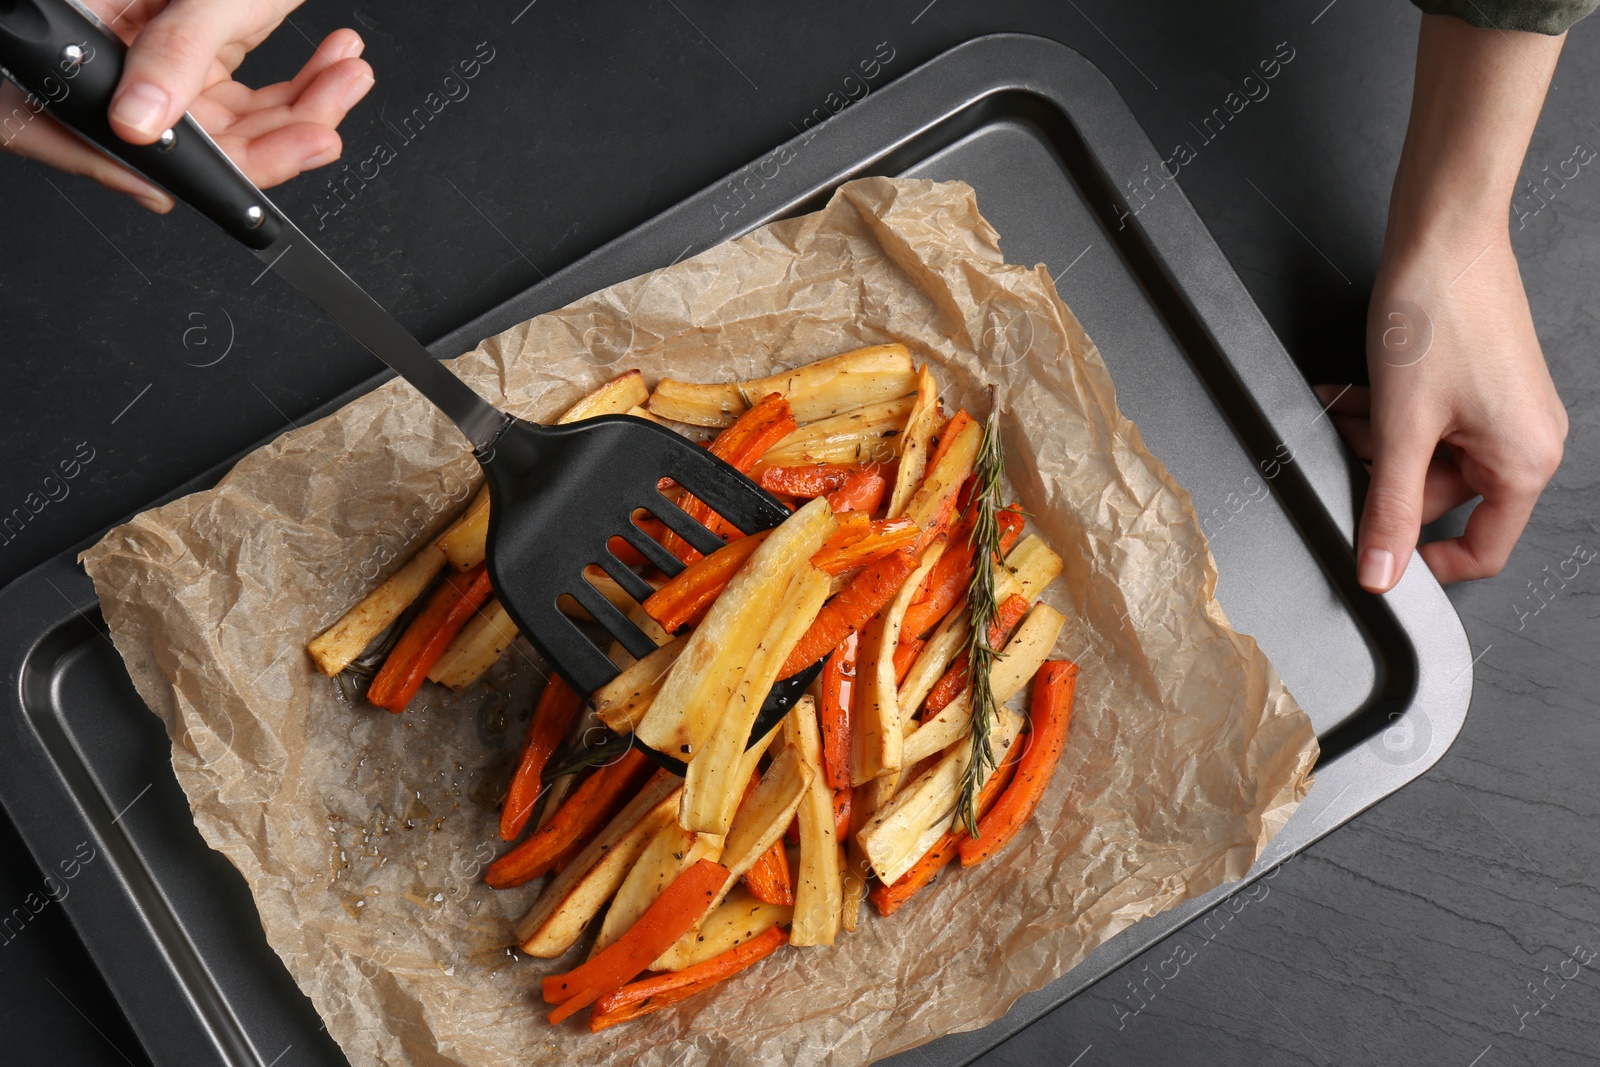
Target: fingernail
{"points": [[1376, 570], [353, 46], [141, 106], [321, 159], [356, 90]]}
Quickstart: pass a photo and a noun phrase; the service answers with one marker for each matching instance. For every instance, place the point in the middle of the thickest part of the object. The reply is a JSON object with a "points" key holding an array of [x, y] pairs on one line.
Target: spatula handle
{"points": [[71, 64]]}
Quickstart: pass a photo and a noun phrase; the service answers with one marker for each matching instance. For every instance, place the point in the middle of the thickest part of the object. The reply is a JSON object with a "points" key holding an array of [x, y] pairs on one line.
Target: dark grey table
{"points": [[1454, 924]]}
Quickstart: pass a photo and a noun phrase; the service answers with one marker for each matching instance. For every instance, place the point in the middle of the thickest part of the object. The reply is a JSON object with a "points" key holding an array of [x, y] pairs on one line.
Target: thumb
{"points": [[167, 66], [1392, 518]]}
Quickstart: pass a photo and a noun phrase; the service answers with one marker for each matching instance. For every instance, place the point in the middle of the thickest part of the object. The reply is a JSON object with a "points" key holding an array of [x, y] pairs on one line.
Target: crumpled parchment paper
{"points": [[363, 834]]}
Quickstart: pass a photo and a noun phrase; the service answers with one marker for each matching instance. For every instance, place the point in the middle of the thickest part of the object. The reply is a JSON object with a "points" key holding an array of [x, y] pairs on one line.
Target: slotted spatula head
{"points": [[558, 494]]}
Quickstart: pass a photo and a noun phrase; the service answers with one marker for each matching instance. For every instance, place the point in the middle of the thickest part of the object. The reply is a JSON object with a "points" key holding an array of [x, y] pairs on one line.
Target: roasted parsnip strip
{"points": [[761, 820], [577, 894], [738, 919], [1029, 568], [622, 702], [464, 543], [933, 501], [875, 729], [671, 851], [700, 683], [615, 397], [341, 643], [815, 391], [916, 442], [476, 648], [919, 815], [868, 434], [818, 894], [1022, 657], [712, 786]]}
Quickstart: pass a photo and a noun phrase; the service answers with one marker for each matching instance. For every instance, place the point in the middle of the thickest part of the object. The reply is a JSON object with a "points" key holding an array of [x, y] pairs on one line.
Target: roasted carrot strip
{"points": [[626, 553], [954, 681], [951, 431], [664, 990], [905, 654], [883, 537], [859, 601], [740, 445], [584, 814], [678, 909], [841, 812], [768, 878], [810, 480], [853, 526], [862, 491], [700, 583], [449, 609], [947, 583], [552, 718], [833, 711], [1050, 713], [888, 898]]}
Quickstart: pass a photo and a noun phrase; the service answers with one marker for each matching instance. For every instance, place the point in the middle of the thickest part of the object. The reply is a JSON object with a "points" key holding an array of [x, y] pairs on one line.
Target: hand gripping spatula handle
{"points": [[557, 494]]}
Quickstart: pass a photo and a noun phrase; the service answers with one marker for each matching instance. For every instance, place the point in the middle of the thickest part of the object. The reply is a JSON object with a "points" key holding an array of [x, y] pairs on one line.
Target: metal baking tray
{"points": [[1054, 155]]}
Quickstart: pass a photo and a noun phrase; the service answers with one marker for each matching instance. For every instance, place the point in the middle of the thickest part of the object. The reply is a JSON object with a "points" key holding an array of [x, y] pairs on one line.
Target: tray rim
{"points": [[36, 799]]}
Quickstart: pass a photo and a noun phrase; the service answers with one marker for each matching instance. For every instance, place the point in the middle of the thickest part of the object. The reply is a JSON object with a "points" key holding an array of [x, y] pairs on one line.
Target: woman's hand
{"points": [[181, 57], [1461, 403]]}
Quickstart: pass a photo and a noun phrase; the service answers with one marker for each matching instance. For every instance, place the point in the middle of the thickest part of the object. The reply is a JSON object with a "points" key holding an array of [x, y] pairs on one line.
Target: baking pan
{"points": [[1068, 178]]}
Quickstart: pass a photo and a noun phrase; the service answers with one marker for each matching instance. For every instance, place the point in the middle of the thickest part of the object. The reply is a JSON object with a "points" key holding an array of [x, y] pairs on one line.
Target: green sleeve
{"points": [[1534, 16]]}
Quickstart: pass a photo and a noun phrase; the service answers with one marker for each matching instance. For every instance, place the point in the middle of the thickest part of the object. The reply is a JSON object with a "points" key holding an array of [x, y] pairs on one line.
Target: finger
{"points": [[169, 63], [1392, 517], [241, 99], [325, 101], [44, 139], [275, 157], [1483, 548], [1344, 399], [1445, 489], [1356, 430]]}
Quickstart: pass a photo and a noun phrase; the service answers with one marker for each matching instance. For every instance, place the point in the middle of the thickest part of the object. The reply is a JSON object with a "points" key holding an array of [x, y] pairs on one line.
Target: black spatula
{"points": [[557, 494]]}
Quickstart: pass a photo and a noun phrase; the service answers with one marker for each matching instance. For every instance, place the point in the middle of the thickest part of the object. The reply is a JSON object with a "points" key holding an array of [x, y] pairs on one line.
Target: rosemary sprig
{"points": [[982, 609]]}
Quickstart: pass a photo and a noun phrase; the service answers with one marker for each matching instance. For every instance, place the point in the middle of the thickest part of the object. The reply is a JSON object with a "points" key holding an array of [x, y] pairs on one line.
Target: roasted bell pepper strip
{"points": [[449, 609], [807, 481], [740, 445], [1049, 714], [585, 813], [833, 711], [954, 681], [678, 909], [888, 898], [664, 990], [552, 718], [700, 583], [846, 613]]}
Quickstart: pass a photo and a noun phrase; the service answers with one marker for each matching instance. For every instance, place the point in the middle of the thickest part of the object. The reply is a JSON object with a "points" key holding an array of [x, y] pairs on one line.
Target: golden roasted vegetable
{"points": [[918, 816], [875, 722], [622, 702], [1022, 657], [698, 686], [476, 648], [712, 784], [342, 642], [915, 443], [616, 397], [814, 391], [818, 894], [577, 894], [738, 919], [868, 434]]}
